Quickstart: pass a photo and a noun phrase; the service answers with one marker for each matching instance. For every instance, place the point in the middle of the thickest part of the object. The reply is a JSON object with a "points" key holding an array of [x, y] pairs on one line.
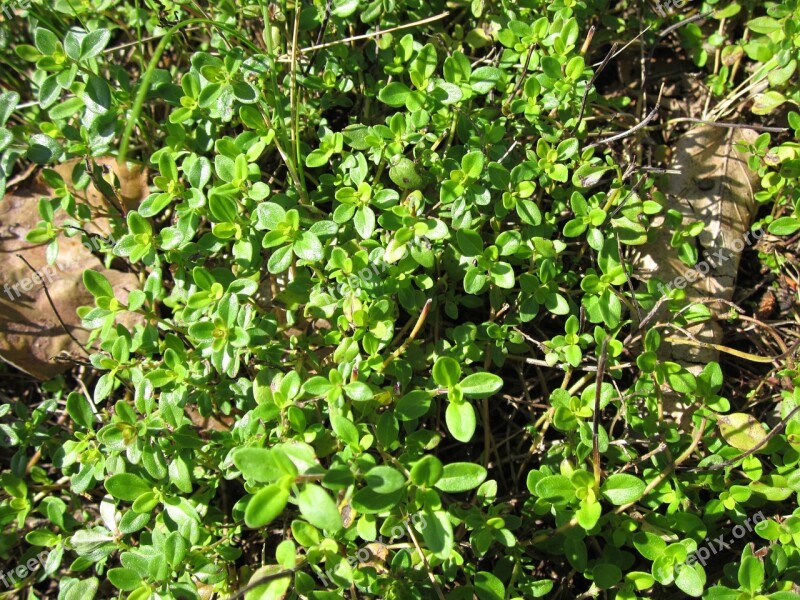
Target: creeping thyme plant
{"points": [[386, 338]]}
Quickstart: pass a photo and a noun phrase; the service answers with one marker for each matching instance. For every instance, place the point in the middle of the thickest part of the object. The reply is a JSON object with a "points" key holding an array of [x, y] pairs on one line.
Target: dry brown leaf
{"points": [[30, 333], [716, 187]]}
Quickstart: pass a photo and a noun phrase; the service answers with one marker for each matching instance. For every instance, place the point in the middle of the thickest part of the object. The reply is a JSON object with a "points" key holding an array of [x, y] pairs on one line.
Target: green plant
{"points": [[350, 260]]}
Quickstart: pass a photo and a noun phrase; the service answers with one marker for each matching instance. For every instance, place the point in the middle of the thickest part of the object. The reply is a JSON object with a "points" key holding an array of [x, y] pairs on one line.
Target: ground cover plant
{"points": [[368, 315]]}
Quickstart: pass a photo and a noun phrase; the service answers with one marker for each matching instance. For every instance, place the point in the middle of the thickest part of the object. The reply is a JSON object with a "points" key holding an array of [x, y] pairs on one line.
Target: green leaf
{"points": [[8, 102], [649, 545], [551, 67], [43, 149], [266, 505], [358, 391], [489, 587], [461, 477], [751, 572], [280, 260], [394, 94], [587, 176], [318, 508], [63, 110], [124, 579], [413, 405], [223, 208], [97, 284], [767, 102], [94, 43], [345, 430], [606, 575], [83, 589], [691, 579], [502, 275], [784, 226], [679, 378], [622, 488], [447, 93], [404, 175], [273, 589], [127, 486], [438, 532], [446, 371], [318, 158], [483, 79], [427, 471], [481, 385], [469, 242], [385, 480], [588, 514], [79, 409], [45, 40], [472, 164], [555, 488], [308, 247], [145, 503], [364, 222], [368, 501], [344, 8], [575, 68], [764, 25], [529, 213], [461, 421], [423, 66], [262, 464]]}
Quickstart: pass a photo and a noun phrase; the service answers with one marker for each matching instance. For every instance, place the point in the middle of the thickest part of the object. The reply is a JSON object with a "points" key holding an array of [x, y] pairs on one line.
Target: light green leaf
{"points": [[318, 508], [394, 94], [461, 477], [94, 43], [481, 385], [446, 371], [266, 505], [308, 247], [126, 486], [385, 480], [555, 489], [413, 405], [274, 589], [461, 421], [622, 488]]}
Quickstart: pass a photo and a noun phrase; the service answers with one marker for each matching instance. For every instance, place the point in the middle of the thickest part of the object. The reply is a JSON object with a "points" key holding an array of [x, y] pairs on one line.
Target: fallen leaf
{"points": [[31, 336], [740, 430]]}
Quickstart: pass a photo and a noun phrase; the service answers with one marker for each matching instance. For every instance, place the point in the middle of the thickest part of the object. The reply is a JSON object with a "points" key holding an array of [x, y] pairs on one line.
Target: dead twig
{"points": [[53, 306]]}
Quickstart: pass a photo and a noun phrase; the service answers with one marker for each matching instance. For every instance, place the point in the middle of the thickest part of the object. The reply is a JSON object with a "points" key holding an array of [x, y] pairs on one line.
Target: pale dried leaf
{"points": [[31, 336], [716, 187]]}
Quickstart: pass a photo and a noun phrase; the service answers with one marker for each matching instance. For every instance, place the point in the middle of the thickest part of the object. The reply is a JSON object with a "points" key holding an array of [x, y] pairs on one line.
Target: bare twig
{"points": [[730, 125], [601, 367], [366, 36], [53, 306], [590, 85], [630, 131]]}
